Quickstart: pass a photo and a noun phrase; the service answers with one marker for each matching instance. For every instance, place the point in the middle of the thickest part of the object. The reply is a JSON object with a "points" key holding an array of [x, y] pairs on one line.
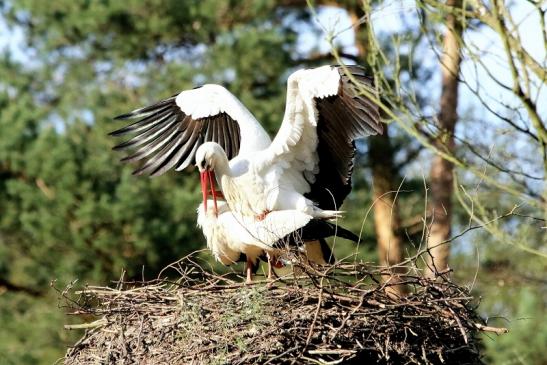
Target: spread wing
{"points": [[167, 134], [328, 108], [342, 118]]}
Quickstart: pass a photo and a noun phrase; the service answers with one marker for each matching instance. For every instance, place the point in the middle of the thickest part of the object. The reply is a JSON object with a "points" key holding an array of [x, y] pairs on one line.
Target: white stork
{"points": [[233, 237], [303, 174]]}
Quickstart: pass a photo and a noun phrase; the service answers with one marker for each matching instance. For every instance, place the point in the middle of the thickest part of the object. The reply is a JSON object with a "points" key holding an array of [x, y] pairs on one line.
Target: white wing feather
{"points": [[210, 99], [296, 141], [229, 233]]}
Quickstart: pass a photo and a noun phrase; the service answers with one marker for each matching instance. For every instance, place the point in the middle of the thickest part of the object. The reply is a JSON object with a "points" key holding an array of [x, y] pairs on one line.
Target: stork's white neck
{"points": [[222, 166]]}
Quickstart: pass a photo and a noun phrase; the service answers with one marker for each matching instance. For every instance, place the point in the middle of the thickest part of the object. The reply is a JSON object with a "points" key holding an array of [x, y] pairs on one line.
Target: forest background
{"points": [[461, 168]]}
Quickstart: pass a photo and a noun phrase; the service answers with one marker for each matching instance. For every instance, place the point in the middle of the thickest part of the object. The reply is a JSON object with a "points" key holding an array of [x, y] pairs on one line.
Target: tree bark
{"points": [[441, 173], [386, 213]]}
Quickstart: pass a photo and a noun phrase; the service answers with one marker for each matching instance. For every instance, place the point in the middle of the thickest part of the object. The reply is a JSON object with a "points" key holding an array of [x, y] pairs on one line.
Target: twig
{"points": [[496, 330]]}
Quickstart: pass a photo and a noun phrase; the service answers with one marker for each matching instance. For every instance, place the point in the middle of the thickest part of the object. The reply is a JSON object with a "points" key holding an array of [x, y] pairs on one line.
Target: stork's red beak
{"points": [[207, 178], [203, 176]]}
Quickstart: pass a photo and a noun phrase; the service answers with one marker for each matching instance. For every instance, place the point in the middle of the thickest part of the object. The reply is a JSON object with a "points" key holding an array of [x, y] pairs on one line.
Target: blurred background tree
{"points": [[70, 211]]}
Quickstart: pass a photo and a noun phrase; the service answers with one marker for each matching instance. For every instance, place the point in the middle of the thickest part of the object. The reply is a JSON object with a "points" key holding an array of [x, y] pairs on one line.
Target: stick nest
{"points": [[338, 315]]}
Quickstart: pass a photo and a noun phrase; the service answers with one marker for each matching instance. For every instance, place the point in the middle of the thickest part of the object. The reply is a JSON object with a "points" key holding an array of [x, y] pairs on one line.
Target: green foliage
{"points": [[511, 287], [528, 333], [63, 186], [31, 332], [69, 209]]}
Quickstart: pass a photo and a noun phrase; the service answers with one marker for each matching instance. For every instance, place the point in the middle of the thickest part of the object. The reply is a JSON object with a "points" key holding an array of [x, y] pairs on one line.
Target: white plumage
{"points": [[272, 188], [255, 239]]}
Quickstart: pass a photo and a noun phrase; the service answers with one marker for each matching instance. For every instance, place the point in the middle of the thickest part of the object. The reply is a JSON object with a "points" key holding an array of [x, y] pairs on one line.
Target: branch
{"points": [[477, 11], [517, 89], [328, 57], [496, 330]]}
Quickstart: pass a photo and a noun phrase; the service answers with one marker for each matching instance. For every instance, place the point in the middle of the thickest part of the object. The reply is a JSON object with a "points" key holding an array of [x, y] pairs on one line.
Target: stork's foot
{"points": [[271, 260], [271, 282]]}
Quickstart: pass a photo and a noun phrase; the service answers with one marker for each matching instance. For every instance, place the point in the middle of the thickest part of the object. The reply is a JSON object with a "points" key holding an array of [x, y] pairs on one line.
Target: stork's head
{"points": [[208, 156]]}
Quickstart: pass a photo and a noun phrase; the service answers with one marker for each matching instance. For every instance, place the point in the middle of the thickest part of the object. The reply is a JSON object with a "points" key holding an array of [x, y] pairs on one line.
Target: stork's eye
{"points": [[203, 165]]}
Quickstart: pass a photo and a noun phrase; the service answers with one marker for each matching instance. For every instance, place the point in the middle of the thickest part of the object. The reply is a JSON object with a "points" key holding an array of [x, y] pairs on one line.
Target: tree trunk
{"points": [[386, 213], [441, 174]]}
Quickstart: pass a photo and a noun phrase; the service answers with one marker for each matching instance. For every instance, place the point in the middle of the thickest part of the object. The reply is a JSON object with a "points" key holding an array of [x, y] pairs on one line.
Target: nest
{"points": [[342, 314]]}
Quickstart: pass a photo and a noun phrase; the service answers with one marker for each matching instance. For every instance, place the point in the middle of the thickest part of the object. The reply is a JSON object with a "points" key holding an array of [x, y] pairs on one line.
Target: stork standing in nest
{"points": [[269, 188]]}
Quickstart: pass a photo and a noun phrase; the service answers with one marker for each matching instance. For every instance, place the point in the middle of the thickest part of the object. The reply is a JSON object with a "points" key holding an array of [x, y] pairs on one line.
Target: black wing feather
{"points": [[164, 137], [228, 139], [148, 135], [144, 123], [208, 135], [172, 153], [315, 229], [343, 118], [149, 149]]}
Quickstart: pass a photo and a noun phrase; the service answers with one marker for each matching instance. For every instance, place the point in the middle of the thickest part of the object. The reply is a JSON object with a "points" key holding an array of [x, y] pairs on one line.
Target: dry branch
{"points": [[335, 315]]}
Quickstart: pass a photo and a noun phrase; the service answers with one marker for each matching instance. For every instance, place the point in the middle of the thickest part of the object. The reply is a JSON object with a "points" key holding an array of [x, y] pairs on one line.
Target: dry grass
{"points": [[334, 315]]}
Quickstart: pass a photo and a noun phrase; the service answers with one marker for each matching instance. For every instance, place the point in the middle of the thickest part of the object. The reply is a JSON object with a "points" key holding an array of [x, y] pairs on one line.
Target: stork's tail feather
{"points": [[316, 229], [328, 214], [344, 233]]}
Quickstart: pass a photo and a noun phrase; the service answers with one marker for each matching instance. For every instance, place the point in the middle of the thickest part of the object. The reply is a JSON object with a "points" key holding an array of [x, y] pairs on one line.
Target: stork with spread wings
{"points": [[268, 189]]}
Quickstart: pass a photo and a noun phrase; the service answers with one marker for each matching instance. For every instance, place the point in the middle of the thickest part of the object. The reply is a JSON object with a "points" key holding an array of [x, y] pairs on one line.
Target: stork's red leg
{"points": [[270, 265], [249, 271]]}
